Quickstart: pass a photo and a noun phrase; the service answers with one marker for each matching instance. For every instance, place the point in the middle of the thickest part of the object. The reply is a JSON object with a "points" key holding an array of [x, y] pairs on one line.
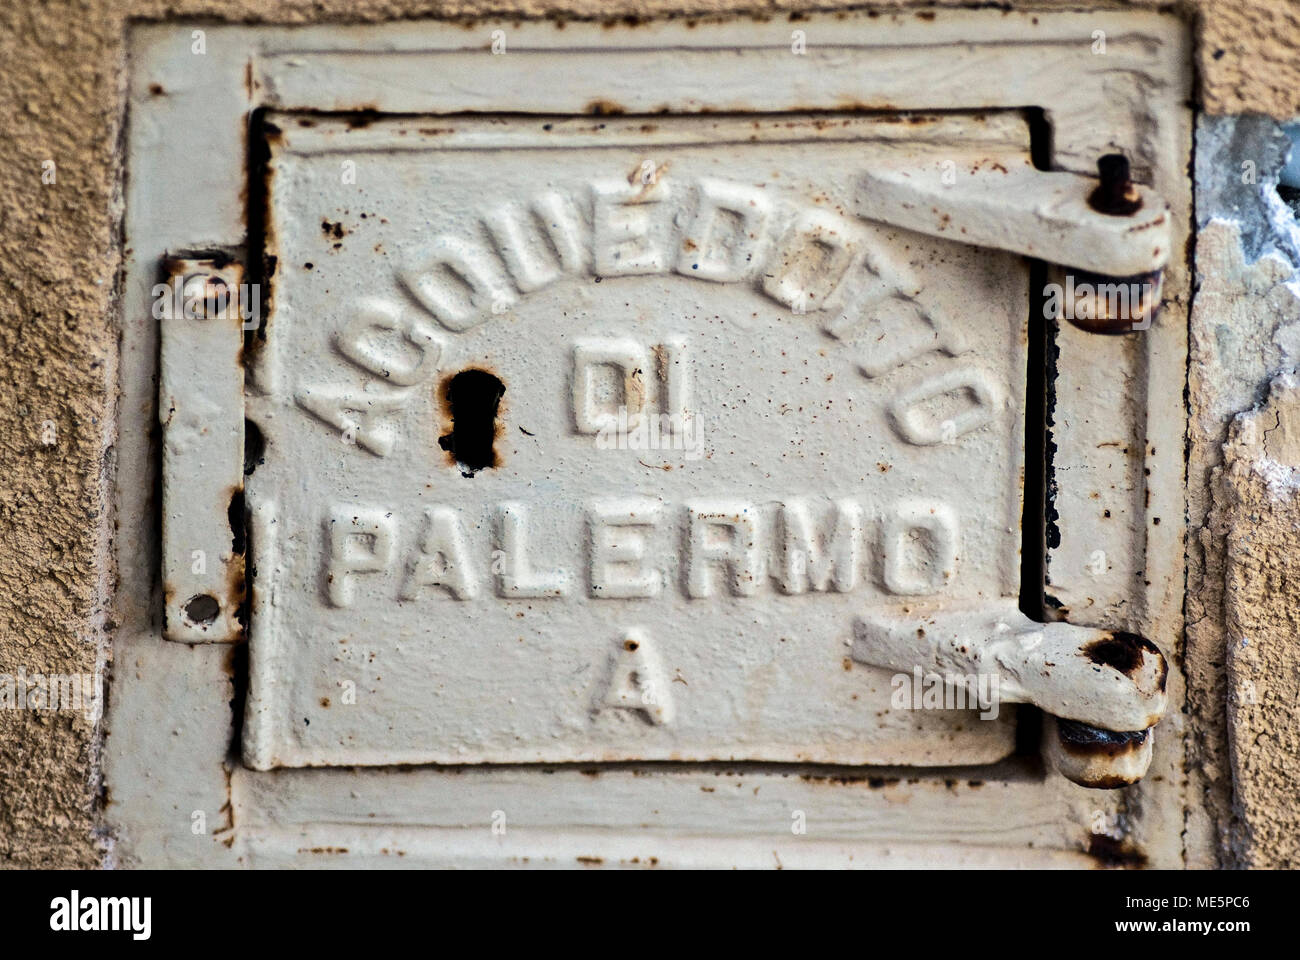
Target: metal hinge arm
{"points": [[1106, 687]]}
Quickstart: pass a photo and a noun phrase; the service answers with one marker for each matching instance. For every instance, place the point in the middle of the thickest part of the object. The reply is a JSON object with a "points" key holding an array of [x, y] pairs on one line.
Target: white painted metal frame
{"points": [[200, 408], [172, 726]]}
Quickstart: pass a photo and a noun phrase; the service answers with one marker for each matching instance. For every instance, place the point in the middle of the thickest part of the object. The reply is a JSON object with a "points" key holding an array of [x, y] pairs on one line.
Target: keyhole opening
{"points": [[473, 398]]}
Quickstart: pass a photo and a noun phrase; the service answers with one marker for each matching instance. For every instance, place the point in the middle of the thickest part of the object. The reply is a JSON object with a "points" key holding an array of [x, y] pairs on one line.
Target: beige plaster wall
{"points": [[61, 77]]}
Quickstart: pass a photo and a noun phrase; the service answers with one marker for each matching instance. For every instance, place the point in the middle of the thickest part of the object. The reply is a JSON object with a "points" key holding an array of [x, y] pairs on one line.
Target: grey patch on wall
{"points": [[1228, 190], [1245, 330]]}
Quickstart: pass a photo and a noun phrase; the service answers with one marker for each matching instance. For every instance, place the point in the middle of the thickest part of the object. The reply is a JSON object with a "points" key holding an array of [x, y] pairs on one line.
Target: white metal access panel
{"points": [[647, 445]]}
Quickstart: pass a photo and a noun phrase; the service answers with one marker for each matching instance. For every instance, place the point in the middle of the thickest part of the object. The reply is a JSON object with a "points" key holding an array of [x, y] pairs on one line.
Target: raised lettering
{"points": [[618, 530], [516, 578], [725, 240], [443, 560], [919, 548], [722, 535], [631, 361], [360, 541], [636, 679], [819, 559], [914, 426], [809, 263], [358, 416], [628, 226], [355, 341], [459, 282]]}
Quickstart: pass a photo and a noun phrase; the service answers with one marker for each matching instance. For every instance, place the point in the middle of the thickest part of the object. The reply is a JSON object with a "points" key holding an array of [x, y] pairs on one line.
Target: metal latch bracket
{"points": [[201, 310]]}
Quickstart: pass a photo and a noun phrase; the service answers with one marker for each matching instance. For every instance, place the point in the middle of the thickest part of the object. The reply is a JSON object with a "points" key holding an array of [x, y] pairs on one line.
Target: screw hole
{"points": [[202, 610]]}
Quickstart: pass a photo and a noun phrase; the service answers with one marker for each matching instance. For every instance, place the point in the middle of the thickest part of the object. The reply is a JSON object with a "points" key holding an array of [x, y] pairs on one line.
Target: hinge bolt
{"points": [[1115, 195]]}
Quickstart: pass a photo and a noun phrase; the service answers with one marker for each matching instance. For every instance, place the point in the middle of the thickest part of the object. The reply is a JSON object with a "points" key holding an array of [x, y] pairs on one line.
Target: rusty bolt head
{"points": [[208, 295], [206, 288], [1115, 195]]}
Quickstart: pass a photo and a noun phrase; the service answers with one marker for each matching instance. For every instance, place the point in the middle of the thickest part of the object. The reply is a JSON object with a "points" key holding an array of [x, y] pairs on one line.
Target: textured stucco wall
{"points": [[62, 77], [1245, 332], [1258, 515]]}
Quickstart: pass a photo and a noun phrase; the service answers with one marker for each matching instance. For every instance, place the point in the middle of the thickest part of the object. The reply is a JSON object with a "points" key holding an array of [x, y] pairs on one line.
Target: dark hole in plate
{"points": [[202, 609], [473, 398]]}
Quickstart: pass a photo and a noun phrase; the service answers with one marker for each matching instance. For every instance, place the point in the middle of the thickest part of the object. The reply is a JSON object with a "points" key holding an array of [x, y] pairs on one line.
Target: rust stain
{"points": [[1158, 221], [661, 358], [850, 779], [647, 185], [629, 20], [1125, 652], [363, 116], [227, 808], [1116, 304], [1114, 854], [1084, 740]]}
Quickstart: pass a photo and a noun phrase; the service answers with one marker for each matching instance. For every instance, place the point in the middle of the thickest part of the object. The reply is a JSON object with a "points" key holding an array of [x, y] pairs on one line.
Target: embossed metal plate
{"points": [[587, 440]]}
